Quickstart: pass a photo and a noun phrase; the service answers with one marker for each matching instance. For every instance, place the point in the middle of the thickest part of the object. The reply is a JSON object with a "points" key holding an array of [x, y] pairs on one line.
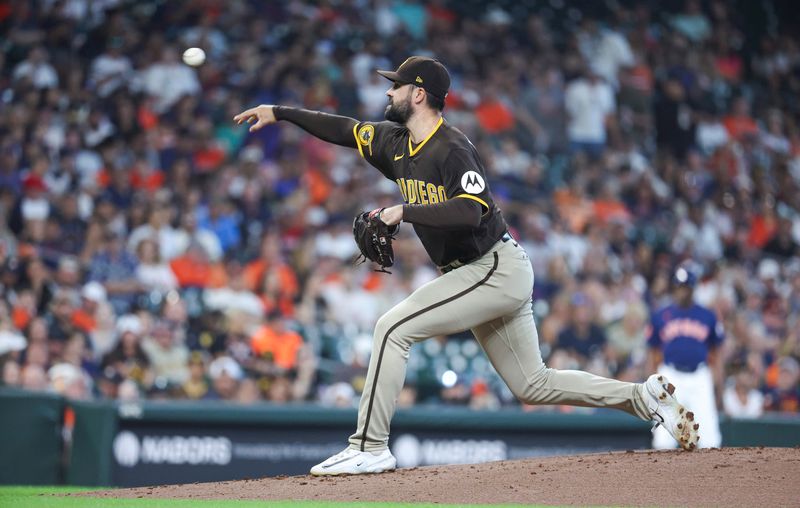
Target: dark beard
{"points": [[399, 112]]}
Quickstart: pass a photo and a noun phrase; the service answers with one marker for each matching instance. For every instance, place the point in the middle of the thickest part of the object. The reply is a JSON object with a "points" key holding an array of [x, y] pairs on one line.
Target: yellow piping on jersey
{"points": [[358, 143], [413, 151], [476, 198]]}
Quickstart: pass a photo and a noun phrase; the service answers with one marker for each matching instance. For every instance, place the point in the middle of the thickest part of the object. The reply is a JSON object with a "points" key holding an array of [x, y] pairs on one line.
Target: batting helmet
{"points": [[684, 276]]}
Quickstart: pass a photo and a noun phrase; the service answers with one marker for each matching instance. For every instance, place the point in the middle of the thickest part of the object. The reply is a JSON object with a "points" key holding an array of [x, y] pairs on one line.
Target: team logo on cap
{"points": [[418, 80], [472, 182]]}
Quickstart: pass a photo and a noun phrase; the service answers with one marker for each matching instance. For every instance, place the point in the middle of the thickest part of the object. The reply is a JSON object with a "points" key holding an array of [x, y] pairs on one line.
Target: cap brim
{"points": [[391, 76]]}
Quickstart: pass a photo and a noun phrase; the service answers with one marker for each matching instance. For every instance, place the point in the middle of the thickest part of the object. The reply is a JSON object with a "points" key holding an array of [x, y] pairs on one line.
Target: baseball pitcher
{"points": [[486, 280]]}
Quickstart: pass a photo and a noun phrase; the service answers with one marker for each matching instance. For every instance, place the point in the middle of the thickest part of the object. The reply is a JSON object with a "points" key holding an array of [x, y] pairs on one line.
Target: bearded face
{"points": [[399, 109]]}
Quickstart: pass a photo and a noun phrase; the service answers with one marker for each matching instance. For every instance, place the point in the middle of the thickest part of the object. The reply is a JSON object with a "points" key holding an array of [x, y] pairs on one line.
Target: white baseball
{"points": [[194, 57]]}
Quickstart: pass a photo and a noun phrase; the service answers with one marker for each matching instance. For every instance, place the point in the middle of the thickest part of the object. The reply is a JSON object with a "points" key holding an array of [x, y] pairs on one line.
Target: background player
{"points": [[684, 342], [487, 277]]}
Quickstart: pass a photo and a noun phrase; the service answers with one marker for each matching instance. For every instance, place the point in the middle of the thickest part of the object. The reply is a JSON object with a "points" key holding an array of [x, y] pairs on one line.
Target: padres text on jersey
{"points": [[443, 166]]}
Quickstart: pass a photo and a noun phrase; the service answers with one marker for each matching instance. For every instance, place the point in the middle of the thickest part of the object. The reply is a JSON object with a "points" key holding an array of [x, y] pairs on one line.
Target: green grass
{"points": [[47, 497]]}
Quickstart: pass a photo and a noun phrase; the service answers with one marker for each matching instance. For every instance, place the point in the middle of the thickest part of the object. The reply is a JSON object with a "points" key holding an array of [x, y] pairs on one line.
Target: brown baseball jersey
{"points": [[443, 166]]}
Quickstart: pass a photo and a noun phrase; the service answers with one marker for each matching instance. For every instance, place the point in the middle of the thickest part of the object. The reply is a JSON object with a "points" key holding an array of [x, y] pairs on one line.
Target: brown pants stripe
{"points": [[491, 297], [405, 320]]}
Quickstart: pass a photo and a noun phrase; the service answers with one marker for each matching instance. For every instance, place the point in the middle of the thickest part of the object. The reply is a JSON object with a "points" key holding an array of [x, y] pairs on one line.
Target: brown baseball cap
{"points": [[424, 72]]}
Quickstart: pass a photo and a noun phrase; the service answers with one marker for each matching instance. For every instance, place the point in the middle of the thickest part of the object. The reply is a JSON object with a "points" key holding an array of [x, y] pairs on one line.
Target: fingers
{"points": [[258, 116], [260, 123], [245, 116]]}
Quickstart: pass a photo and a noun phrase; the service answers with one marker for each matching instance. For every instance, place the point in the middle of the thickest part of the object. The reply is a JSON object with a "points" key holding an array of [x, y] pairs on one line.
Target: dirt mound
{"points": [[717, 477]]}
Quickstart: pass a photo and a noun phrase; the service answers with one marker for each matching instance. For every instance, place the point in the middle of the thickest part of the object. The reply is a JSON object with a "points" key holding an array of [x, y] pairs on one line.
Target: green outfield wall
{"points": [[45, 439]]}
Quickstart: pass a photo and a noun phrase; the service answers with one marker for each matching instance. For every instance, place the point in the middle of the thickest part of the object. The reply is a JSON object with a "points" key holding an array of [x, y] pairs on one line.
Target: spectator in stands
{"points": [[70, 381], [128, 358], [673, 118], [11, 373], [34, 378], [225, 376], [589, 103], [115, 268], [167, 80], [739, 123], [582, 338], [197, 384], [607, 49], [741, 398], [36, 69], [276, 342], [692, 23], [167, 356], [107, 143], [195, 269], [152, 273], [785, 396], [190, 232]]}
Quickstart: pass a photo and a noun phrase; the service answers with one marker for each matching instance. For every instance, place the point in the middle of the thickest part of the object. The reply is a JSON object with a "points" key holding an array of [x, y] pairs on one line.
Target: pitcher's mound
{"points": [[718, 477]]}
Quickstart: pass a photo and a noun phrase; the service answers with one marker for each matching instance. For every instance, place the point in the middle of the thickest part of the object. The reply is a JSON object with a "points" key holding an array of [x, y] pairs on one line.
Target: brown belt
{"points": [[458, 263]]}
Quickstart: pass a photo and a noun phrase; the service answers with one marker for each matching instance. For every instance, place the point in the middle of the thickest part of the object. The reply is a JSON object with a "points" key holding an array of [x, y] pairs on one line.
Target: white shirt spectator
{"points": [[170, 361], [35, 68], [372, 95], [364, 64], [571, 247], [158, 276], [98, 129], [776, 142], [710, 135], [180, 240], [587, 104], [109, 71], [335, 244], [169, 80], [351, 305], [228, 299], [701, 240], [734, 407], [607, 53], [169, 240]]}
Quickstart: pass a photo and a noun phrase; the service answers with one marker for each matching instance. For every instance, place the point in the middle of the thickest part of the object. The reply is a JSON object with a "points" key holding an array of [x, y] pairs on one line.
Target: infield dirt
{"points": [[746, 477]]}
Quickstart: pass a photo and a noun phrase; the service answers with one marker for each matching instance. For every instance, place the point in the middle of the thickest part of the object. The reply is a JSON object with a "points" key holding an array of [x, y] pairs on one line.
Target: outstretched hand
{"points": [[262, 115]]}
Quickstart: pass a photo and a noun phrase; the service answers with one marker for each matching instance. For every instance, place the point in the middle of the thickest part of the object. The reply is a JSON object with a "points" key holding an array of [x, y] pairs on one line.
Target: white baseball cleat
{"points": [[350, 461], [665, 410]]}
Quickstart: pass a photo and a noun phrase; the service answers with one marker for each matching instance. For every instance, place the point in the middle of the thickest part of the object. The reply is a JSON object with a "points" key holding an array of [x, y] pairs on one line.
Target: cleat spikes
{"points": [[667, 412]]}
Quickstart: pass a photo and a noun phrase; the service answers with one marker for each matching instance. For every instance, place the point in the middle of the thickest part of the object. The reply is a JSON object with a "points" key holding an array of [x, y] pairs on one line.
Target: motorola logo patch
{"points": [[472, 182]]}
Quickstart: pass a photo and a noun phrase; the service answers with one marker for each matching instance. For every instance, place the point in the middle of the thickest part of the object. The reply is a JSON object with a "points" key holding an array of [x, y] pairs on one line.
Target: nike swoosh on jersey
{"points": [[398, 157]]}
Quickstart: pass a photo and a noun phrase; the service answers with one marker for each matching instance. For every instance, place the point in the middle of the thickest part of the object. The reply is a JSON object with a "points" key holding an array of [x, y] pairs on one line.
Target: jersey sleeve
{"points": [[464, 178], [375, 142]]}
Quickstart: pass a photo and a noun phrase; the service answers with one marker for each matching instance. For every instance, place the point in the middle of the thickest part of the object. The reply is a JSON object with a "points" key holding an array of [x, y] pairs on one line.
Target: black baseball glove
{"points": [[374, 239]]}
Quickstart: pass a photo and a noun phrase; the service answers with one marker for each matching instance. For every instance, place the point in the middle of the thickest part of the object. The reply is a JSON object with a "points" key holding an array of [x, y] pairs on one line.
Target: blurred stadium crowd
{"points": [[151, 249]]}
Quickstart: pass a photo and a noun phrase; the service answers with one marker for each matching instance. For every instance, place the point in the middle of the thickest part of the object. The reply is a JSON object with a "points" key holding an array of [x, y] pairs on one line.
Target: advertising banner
{"points": [[146, 453]]}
